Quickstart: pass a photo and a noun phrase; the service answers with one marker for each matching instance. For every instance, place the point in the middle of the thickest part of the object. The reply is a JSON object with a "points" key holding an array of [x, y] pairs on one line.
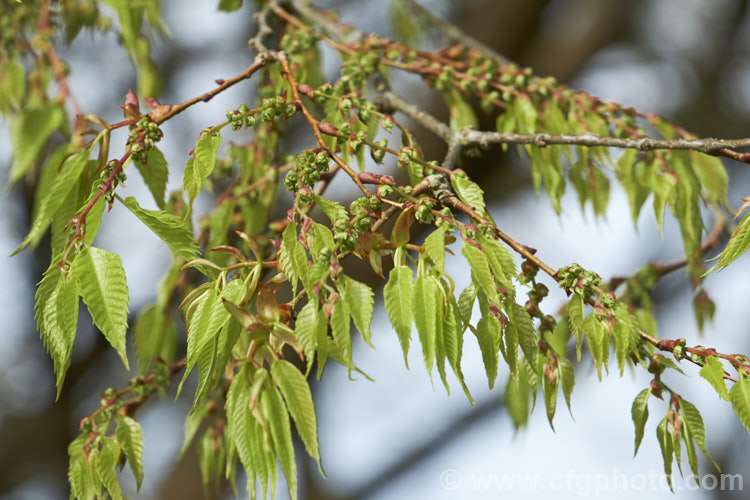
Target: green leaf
{"points": [[29, 132], [299, 402], [713, 372], [154, 337], [567, 378], [575, 315], [229, 5], [60, 230], [305, 329], [203, 323], [639, 412], [596, 337], [55, 195], [481, 271], [334, 210], [103, 287], [322, 238], [170, 228], [461, 113], [517, 399], [398, 294], [104, 463], [81, 478], [340, 330], [526, 115], [499, 259], [549, 391], [427, 293], [469, 192], [130, 438], [740, 398], [434, 247], [200, 166], [360, 302], [623, 335], [239, 422], [667, 450], [711, 174], [692, 422], [275, 414], [454, 341], [155, 174], [627, 168], [192, 423], [57, 318], [526, 333], [737, 245], [466, 303], [486, 334], [440, 348]]}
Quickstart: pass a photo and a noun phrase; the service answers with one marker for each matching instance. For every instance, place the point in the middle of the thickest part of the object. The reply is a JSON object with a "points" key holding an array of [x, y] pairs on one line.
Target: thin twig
{"points": [[314, 125], [261, 60]]}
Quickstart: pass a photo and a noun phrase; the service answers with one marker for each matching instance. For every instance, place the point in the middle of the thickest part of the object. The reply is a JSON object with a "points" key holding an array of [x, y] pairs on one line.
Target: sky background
{"points": [[402, 436]]}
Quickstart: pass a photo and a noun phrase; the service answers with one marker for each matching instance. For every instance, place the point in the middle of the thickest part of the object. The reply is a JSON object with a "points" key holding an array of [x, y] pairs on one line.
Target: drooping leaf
{"points": [[597, 339], [155, 174], [481, 271], [736, 246], [526, 333], [567, 378], [711, 174], [454, 341], [192, 423], [426, 295], [713, 372], [104, 463], [639, 412], [239, 423], [57, 318], [201, 165], [340, 330], [170, 228], [466, 303], [29, 132], [305, 329], [103, 287], [517, 399], [360, 302], [575, 314], [154, 337], [740, 398], [487, 345], [667, 449], [692, 422], [499, 259], [398, 295], [275, 414], [55, 195], [623, 334], [461, 112], [203, 323], [549, 392], [130, 438], [434, 247], [299, 402]]}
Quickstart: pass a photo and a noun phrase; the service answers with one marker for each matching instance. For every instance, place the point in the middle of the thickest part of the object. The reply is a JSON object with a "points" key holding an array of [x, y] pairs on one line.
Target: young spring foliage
{"points": [[263, 291]]}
